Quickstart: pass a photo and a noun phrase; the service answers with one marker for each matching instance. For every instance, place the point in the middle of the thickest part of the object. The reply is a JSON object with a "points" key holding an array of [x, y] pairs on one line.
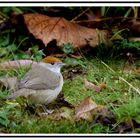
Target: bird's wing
{"points": [[24, 92], [40, 78]]}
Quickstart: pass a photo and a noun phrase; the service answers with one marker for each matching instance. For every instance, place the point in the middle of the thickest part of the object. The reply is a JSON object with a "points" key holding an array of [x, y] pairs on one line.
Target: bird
{"points": [[42, 83]]}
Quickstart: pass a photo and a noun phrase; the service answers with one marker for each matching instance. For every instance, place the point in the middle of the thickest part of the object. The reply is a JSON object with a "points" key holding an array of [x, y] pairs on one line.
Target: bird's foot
{"points": [[46, 111]]}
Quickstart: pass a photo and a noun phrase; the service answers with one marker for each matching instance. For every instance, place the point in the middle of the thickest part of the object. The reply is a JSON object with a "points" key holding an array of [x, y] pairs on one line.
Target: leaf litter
{"points": [[96, 88], [62, 31], [83, 111]]}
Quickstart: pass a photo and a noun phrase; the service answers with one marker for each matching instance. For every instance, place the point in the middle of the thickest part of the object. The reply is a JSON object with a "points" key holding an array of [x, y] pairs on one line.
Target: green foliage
{"points": [[4, 121], [124, 102], [68, 48], [36, 53], [129, 110], [125, 44], [13, 51], [118, 96], [122, 47], [119, 11], [6, 112], [18, 10]]}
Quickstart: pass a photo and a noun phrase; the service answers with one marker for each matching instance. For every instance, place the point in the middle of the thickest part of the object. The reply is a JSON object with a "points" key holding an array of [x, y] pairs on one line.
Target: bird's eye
{"points": [[52, 63]]}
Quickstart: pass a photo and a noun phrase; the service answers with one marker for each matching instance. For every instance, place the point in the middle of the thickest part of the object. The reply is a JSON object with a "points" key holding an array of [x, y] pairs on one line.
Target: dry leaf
{"points": [[137, 70], [16, 64], [62, 31], [103, 85], [133, 26], [84, 109], [94, 87]]}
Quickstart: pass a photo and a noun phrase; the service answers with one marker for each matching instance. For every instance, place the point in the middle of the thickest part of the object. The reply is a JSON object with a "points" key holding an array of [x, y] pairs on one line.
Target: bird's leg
{"points": [[46, 111]]}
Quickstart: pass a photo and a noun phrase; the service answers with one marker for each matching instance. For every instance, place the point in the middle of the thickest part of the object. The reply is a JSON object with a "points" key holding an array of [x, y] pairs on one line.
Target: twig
{"points": [[129, 84], [121, 78], [107, 66], [80, 14], [104, 19]]}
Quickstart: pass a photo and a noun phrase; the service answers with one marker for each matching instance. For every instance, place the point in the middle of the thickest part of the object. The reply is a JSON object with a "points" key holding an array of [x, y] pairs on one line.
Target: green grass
{"points": [[118, 96], [122, 100]]}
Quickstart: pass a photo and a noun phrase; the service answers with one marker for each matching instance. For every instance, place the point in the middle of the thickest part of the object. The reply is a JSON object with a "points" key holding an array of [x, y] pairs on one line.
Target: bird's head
{"points": [[53, 63]]}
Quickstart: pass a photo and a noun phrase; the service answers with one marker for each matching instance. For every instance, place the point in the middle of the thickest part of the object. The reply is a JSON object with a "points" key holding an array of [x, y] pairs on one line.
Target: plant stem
{"points": [[121, 78]]}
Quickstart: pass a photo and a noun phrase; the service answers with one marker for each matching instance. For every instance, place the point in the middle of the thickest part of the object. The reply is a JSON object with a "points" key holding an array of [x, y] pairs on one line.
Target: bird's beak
{"points": [[62, 64]]}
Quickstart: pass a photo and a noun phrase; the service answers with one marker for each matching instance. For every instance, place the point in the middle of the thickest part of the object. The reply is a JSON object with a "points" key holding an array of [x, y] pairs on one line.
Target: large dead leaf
{"points": [[62, 31], [86, 109]]}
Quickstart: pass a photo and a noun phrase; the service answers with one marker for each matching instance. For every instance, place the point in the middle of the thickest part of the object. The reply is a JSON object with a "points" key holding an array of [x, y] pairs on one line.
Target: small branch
{"points": [[107, 66], [80, 14], [121, 78], [104, 19], [130, 85]]}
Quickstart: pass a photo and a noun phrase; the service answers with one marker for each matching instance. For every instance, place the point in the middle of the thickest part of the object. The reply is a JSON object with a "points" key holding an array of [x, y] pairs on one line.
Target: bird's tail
{"points": [[21, 92]]}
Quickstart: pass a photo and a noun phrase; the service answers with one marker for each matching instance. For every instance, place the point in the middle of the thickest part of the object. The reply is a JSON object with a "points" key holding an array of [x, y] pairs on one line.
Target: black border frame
{"points": [[67, 1], [68, 134]]}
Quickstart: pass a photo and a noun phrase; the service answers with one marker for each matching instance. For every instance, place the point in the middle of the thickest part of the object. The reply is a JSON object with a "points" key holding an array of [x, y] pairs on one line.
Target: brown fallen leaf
{"points": [[86, 109], [134, 26], [94, 87], [62, 31], [8, 65], [137, 70], [86, 105]]}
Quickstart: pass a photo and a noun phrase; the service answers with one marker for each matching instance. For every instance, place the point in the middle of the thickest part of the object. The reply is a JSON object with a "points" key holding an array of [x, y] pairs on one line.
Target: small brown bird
{"points": [[42, 83]]}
